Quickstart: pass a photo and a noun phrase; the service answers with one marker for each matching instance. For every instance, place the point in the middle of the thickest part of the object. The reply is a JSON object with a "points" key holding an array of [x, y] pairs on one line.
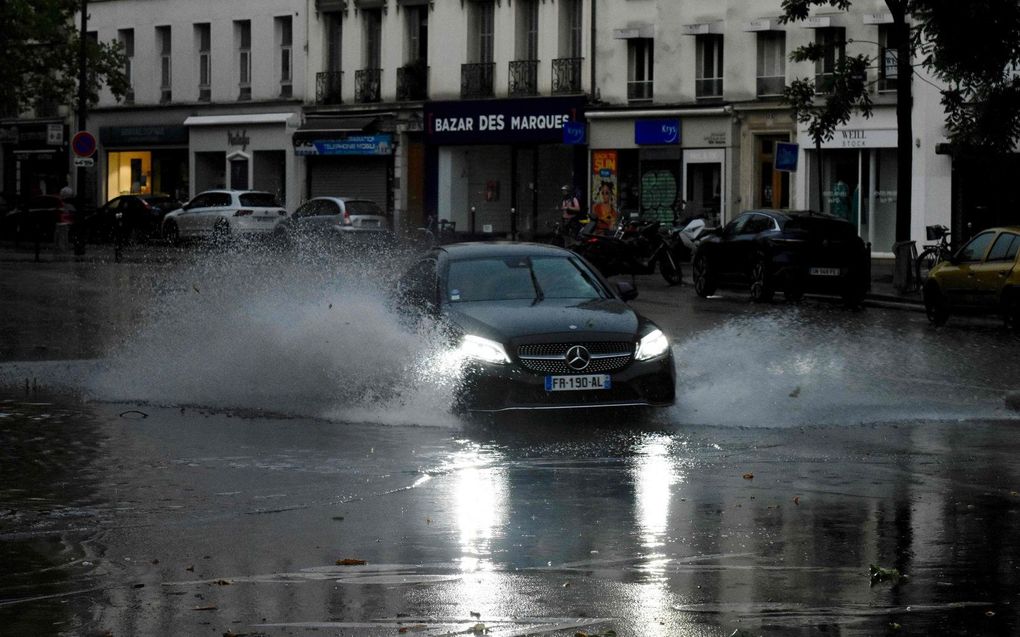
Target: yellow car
{"points": [[982, 277]]}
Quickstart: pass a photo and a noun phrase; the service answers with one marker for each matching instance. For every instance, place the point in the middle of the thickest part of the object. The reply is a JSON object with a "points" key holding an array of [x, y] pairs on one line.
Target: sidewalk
{"points": [[882, 291]]}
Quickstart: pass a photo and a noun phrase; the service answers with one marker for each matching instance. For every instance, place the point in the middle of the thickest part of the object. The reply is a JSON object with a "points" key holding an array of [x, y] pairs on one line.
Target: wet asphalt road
{"points": [[808, 444]]}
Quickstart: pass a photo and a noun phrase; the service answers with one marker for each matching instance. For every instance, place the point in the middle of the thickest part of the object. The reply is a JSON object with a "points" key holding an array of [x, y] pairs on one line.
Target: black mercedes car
{"points": [[536, 327], [794, 252]]}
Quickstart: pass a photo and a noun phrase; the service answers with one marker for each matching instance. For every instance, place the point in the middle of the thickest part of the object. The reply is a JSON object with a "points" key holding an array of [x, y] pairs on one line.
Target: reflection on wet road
{"points": [[153, 490]]}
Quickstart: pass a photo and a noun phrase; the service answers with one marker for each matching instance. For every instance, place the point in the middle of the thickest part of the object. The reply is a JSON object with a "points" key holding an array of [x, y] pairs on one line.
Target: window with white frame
{"points": [[483, 31], [527, 30], [832, 40], [709, 76], [242, 33], [126, 37], [285, 38], [203, 40], [417, 33], [165, 69], [640, 69], [334, 41], [771, 63], [372, 54], [888, 61], [574, 18]]}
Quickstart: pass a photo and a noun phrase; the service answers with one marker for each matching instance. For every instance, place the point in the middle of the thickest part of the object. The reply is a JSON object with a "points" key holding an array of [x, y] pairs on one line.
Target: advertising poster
{"points": [[604, 186]]}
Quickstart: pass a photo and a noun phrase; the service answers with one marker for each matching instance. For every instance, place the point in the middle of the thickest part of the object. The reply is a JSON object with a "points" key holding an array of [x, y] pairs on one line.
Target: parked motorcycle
{"points": [[637, 247]]}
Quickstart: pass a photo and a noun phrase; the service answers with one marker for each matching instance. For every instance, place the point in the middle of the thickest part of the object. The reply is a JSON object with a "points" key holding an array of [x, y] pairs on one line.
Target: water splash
{"points": [[778, 370], [305, 337]]}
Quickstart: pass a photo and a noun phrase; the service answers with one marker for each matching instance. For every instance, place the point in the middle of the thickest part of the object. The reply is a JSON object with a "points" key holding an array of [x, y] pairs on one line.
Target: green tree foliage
{"points": [[39, 45], [973, 47]]}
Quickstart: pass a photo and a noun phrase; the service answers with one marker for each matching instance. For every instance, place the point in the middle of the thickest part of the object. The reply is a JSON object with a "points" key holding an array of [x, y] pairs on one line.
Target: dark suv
{"points": [[793, 252]]}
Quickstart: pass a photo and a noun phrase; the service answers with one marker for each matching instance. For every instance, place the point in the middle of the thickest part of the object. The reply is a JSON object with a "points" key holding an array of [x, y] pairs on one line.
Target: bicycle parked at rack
{"points": [[933, 254]]}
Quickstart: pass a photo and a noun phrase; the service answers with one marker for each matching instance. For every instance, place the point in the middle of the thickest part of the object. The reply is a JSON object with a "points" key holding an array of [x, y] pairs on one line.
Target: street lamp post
{"points": [[81, 177]]}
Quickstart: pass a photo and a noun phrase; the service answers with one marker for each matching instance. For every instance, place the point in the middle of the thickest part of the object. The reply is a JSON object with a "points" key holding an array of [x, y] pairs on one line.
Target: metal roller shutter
{"points": [[353, 177]]}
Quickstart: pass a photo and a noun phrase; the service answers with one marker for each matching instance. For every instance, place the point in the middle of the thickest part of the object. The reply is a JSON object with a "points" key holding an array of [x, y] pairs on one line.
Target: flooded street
{"points": [[212, 444]]}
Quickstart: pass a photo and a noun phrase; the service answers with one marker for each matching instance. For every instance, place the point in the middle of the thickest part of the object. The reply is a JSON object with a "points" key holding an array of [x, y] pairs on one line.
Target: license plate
{"points": [[265, 218], [578, 383], [824, 271]]}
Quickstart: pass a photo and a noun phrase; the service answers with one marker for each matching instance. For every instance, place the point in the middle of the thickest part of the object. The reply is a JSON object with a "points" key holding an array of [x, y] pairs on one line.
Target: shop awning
{"points": [[333, 127], [235, 120]]}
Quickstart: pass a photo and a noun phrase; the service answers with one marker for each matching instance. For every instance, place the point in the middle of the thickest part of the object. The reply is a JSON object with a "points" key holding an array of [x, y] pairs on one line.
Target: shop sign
{"points": [[238, 138], [575, 133], [55, 134], [862, 138], [34, 136], [501, 121], [381, 144], [128, 136], [657, 131]]}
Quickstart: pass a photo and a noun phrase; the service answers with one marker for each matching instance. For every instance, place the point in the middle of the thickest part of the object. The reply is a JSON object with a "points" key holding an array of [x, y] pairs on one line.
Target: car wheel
{"points": [[935, 305], [669, 269], [704, 282], [761, 281], [171, 233]]}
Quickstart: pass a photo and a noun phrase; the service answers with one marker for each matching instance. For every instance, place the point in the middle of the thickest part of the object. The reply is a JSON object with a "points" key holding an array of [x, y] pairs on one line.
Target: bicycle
{"points": [[933, 253]]}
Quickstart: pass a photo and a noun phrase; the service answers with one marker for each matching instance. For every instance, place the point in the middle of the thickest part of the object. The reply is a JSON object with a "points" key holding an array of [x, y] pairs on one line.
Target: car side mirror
{"points": [[626, 290]]}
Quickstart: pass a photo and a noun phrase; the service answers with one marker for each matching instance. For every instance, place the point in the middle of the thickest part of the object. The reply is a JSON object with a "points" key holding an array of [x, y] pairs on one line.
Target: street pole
{"points": [[82, 93]]}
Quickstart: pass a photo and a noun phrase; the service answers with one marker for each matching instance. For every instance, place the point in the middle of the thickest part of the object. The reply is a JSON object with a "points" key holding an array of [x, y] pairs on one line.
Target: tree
{"points": [[39, 48], [850, 92]]}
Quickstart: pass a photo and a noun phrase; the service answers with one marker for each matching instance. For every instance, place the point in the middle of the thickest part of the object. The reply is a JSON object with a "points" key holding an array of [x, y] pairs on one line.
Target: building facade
{"points": [[479, 111]]}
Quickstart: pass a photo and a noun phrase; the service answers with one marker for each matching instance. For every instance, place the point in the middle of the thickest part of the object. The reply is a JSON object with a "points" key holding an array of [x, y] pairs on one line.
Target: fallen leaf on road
{"points": [[796, 500], [748, 476], [223, 582], [879, 574], [204, 608], [417, 628], [350, 562], [795, 392], [479, 629], [476, 615], [191, 568], [990, 613]]}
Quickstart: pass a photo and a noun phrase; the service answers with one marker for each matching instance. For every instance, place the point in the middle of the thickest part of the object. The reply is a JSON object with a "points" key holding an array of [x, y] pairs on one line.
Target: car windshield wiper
{"points": [[539, 295]]}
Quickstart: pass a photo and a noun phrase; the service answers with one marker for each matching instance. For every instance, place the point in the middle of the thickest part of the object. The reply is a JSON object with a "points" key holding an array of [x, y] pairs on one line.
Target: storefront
{"points": [[244, 152], [347, 157], [761, 185], [35, 159], [497, 166], [858, 182], [145, 160], [668, 164]]}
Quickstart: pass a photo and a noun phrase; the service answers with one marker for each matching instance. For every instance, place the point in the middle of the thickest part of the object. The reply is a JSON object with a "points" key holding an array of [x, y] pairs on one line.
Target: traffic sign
{"points": [[83, 144], [786, 157], [84, 162]]}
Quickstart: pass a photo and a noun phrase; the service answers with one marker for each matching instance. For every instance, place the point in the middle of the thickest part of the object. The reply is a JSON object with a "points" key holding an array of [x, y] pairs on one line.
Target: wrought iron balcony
{"points": [[413, 82], [327, 87], [476, 80], [367, 85], [523, 78], [639, 91], [566, 76]]}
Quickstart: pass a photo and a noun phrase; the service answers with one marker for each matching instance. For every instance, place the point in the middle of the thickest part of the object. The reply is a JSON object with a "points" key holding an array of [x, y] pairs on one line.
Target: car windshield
{"points": [[364, 208], [513, 278], [259, 200]]}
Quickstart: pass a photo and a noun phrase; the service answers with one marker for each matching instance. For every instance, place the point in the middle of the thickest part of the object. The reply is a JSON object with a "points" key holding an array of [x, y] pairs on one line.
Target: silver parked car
{"points": [[220, 214], [339, 221]]}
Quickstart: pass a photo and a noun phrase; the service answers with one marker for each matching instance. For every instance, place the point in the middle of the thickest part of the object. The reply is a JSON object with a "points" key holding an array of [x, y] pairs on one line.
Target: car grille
{"points": [[548, 358]]}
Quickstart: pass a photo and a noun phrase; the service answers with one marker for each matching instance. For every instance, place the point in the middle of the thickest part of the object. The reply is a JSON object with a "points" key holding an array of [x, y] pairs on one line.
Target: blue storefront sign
{"points": [[512, 121], [381, 144], [575, 133], [786, 156], [657, 132]]}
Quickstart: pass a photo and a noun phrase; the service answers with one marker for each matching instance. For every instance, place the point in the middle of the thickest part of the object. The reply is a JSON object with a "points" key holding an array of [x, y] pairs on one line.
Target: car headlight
{"points": [[483, 349], [651, 345]]}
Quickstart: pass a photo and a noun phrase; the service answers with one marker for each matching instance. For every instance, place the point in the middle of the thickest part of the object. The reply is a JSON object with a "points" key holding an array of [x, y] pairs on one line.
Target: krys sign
{"points": [[501, 121]]}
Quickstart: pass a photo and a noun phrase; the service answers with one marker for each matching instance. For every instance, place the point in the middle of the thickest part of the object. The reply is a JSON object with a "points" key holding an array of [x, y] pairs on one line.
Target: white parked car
{"points": [[220, 214], [337, 220]]}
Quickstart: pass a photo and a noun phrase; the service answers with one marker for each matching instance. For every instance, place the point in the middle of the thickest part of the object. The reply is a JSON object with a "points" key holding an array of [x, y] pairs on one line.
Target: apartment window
{"points": [[417, 34], [203, 39], [242, 31], [640, 69], [709, 77], [334, 41], [527, 30], [126, 37], [165, 68], [574, 24], [833, 42], [771, 63], [285, 37], [888, 69], [372, 55], [484, 21]]}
